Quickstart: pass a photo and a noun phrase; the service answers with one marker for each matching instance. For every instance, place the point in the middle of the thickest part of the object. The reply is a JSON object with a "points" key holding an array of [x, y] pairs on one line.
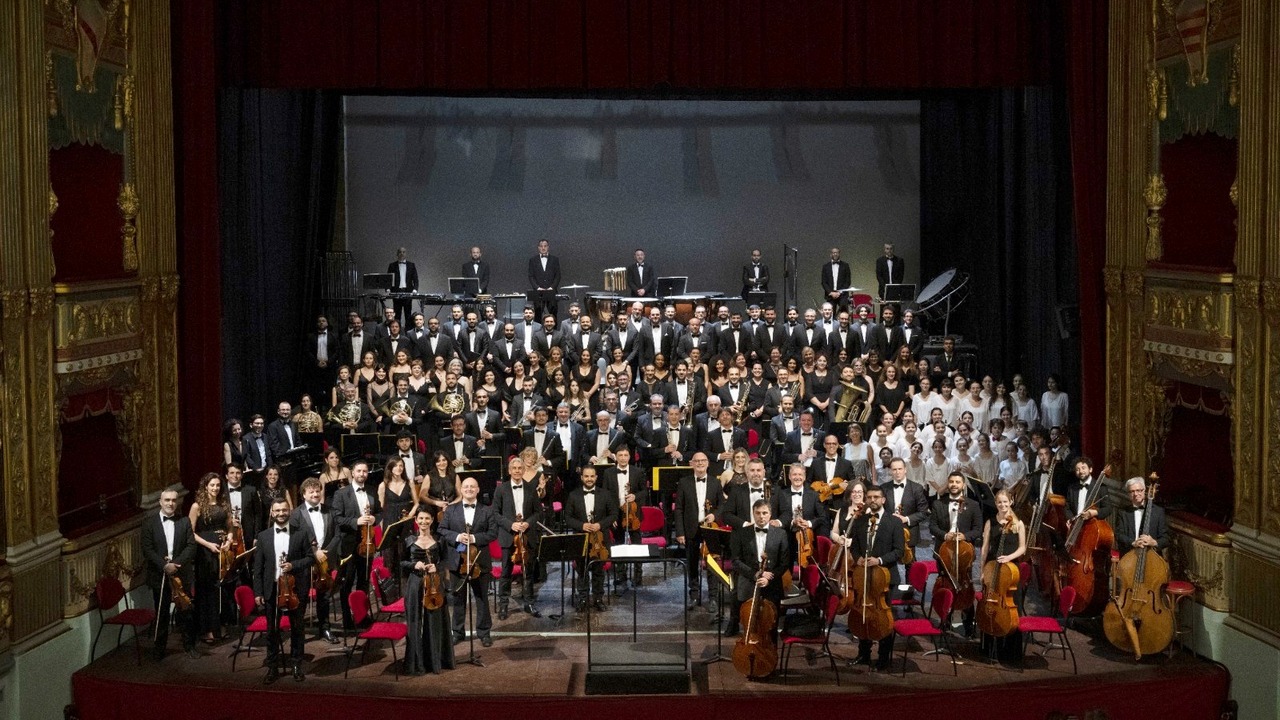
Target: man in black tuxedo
{"points": [[360, 419], [830, 464], [1078, 492], [268, 565], [485, 424], [1128, 521], [807, 335], [545, 441], [473, 344], [315, 519], [843, 337], [477, 268], [623, 335], [393, 342], [506, 351], [436, 343], [465, 524], [590, 509], [755, 275], [796, 505], [947, 364], [770, 334], [355, 343], [404, 279], [907, 501], [694, 337], [642, 281], [354, 506], [522, 405], [888, 335], [656, 337], [462, 449], [628, 484], [722, 441], [735, 511], [415, 463], [581, 337], [836, 277], [876, 540], [169, 548], [649, 432], [801, 445], [544, 277], [687, 393], [955, 516], [734, 338], [257, 449], [697, 501], [517, 510], [759, 552], [602, 442], [282, 434], [404, 409], [321, 353], [548, 336], [912, 335], [246, 506], [890, 269]]}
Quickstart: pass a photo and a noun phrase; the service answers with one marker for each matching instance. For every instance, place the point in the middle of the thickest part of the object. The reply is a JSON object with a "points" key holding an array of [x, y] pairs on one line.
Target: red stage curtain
{"points": [[87, 242], [1199, 219], [95, 482]]}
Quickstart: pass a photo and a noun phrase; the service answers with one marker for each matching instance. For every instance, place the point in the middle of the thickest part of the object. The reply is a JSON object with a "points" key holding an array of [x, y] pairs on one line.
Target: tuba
{"points": [[849, 405]]}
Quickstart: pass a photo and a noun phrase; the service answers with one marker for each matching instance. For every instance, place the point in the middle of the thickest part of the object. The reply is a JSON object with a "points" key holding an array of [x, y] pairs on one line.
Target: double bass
{"points": [[870, 616], [756, 654], [997, 614], [1087, 554], [955, 563], [1139, 618], [1047, 524]]}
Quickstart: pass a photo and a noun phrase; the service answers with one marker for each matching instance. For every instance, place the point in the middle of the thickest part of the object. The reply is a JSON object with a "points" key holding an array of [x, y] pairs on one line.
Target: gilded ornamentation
{"points": [[131, 408], [15, 303], [128, 204], [1233, 80], [1234, 192], [1154, 195], [169, 288], [1159, 412], [1271, 299], [50, 87], [112, 318], [6, 609], [150, 289], [1111, 280], [79, 589], [1133, 283], [1245, 426], [1193, 22], [41, 302]]}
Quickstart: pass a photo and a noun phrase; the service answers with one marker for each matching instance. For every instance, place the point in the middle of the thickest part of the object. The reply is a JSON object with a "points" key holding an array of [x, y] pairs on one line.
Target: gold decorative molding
{"points": [[1204, 558], [1111, 280], [1133, 283], [112, 552], [1190, 316], [6, 606], [97, 324], [128, 204], [1233, 80], [1253, 581], [1154, 194]]}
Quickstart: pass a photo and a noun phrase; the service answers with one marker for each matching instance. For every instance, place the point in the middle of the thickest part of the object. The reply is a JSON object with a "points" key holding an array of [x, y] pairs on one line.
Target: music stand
{"points": [[667, 476], [360, 444], [673, 285], [464, 287], [761, 298], [562, 547], [725, 581], [543, 299], [379, 281]]}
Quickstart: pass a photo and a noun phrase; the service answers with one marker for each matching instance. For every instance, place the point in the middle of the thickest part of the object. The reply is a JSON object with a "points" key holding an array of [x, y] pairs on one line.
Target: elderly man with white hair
{"points": [[1139, 524]]}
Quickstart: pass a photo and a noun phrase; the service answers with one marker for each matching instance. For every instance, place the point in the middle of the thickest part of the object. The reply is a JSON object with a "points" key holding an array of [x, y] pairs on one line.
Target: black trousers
{"points": [[504, 582], [297, 627], [479, 604], [185, 619]]}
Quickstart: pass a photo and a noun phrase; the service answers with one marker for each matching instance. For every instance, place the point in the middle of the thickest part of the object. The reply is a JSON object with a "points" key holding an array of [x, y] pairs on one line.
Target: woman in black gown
{"points": [[398, 497], [210, 517], [429, 645]]}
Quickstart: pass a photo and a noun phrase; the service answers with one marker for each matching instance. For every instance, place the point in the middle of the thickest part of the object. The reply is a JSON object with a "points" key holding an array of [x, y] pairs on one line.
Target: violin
{"points": [[368, 539], [237, 535], [706, 524], [286, 594], [828, 489], [470, 566], [519, 551], [630, 512], [321, 580], [908, 552], [180, 597], [1087, 555], [804, 543], [596, 549], [955, 563], [997, 614], [1139, 618], [432, 589], [756, 654], [871, 617]]}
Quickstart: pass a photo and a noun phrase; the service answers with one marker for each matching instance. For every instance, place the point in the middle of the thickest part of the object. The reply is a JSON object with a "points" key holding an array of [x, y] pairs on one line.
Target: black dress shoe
{"points": [[598, 605], [862, 660], [580, 606], [273, 674], [486, 641], [192, 652], [503, 613], [457, 638], [329, 638], [531, 610], [883, 665], [157, 654], [298, 675]]}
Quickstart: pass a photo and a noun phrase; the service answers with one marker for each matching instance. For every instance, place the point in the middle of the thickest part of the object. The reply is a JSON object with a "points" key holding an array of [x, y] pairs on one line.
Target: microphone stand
{"points": [[472, 658]]}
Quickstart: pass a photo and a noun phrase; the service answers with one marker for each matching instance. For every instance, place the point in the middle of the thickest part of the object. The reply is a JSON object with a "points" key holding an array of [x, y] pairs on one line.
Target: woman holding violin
{"points": [[440, 488], [1004, 541], [210, 517], [429, 645]]}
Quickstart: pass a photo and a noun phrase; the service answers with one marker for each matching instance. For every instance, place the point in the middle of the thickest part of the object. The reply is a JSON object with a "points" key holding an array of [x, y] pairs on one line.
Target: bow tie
{"points": [[899, 486], [564, 426], [407, 455], [808, 434], [762, 530], [517, 487], [168, 518], [588, 492], [955, 502], [359, 489], [539, 431], [471, 506], [314, 509], [701, 480], [757, 489], [355, 334], [281, 530], [234, 489], [797, 493]]}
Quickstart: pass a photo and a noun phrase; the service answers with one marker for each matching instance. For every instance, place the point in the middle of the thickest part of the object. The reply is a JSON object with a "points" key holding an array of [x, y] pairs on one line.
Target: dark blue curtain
{"points": [[996, 203], [279, 163]]}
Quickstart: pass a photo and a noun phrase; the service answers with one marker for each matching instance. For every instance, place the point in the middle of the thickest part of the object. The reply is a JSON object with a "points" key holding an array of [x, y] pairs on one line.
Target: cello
{"points": [[756, 655], [997, 614], [955, 563], [1087, 555], [837, 570], [1139, 618], [871, 617]]}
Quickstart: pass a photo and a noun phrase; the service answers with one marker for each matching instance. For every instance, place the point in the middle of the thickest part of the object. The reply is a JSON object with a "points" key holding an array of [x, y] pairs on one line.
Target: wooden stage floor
{"points": [[535, 658]]}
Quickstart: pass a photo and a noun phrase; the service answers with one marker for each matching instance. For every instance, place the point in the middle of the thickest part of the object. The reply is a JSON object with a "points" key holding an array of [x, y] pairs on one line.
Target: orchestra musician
{"points": [[953, 516], [830, 466], [1127, 521], [694, 496], [516, 499], [907, 501], [470, 523], [277, 542], [169, 548], [642, 279], [590, 509], [602, 442], [317, 520], [629, 484], [890, 269], [544, 277], [404, 279], [876, 540], [721, 442], [354, 506], [755, 274], [477, 267], [429, 642], [760, 539], [835, 277]]}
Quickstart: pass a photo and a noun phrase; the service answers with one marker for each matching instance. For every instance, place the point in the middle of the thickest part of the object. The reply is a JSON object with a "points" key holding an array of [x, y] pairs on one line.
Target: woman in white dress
{"points": [[937, 467], [915, 464], [977, 405], [858, 452], [985, 462], [948, 403], [1055, 406], [1024, 406]]}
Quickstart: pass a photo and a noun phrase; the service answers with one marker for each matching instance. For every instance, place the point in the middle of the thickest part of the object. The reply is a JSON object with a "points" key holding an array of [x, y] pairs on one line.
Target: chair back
{"points": [[942, 599], [753, 440], [245, 602], [811, 578], [918, 576], [359, 601], [377, 574], [495, 549], [108, 593], [652, 519], [829, 606], [823, 549], [1066, 599], [1024, 576]]}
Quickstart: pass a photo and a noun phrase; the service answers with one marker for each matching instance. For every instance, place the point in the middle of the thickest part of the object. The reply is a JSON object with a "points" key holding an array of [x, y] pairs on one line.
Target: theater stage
{"points": [[535, 665]]}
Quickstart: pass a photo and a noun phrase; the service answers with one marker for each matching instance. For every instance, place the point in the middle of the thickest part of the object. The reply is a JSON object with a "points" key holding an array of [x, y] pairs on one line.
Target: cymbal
{"points": [[849, 289], [572, 287]]}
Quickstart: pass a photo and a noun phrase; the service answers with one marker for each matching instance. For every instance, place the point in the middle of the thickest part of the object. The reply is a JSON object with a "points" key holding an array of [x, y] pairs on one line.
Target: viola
{"points": [[630, 512], [804, 546], [871, 616], [997, 614], [1139, 618], [368, 539], [321, 580], [596, 549], [756, 654], [955, 563], [519, 551], [1087, 555], [286, 595], [908, 552], [432, 589], [180, 597], [470, 566]]}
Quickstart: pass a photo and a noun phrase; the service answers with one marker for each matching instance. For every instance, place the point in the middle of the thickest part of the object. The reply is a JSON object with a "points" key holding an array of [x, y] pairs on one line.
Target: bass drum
{"points": [[943, 295], [602, 307]]}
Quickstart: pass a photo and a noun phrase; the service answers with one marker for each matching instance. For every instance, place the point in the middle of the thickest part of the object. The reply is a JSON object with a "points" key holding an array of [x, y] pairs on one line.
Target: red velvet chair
{"points": [[108, 592], [917, 577], [377, 574], [1029, 625], [653, 527], [924, 627], [246, 604], [393, 632]]}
